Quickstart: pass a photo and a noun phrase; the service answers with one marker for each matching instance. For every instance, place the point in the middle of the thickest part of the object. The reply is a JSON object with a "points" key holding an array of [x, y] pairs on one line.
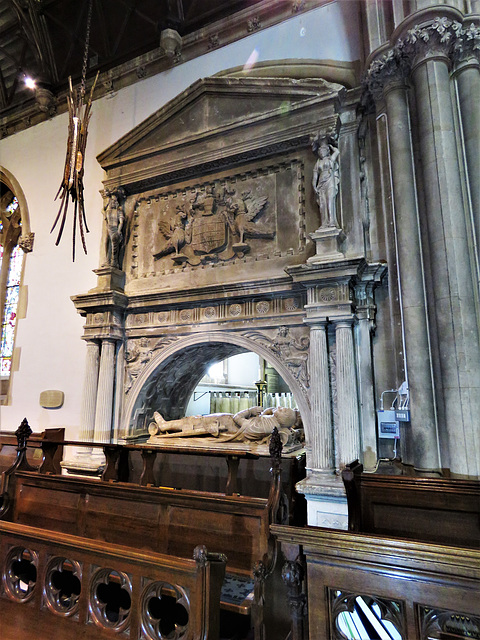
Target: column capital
{"points": [[343, 323], [442, 38], [317, 323]]}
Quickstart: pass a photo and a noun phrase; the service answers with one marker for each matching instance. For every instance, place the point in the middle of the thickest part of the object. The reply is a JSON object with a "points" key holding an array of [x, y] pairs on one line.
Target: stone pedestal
{"points": [[326, 500], [110, 279], [328, 241]]}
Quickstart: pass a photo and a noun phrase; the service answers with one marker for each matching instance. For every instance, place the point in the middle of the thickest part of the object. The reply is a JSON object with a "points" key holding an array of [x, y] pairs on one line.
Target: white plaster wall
{"points": [[52, 353]]}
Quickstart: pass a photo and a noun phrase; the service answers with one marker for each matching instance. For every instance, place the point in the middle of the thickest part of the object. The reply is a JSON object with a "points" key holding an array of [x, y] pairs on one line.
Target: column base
{"points": [[326, 500], [328, 241]]}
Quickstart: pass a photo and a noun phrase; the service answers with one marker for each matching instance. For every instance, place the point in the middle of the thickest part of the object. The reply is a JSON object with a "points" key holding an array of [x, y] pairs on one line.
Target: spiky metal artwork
{"points": [[71, 187]]}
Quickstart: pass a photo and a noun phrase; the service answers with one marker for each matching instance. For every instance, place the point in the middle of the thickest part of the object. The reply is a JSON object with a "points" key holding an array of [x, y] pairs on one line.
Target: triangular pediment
{"points": [[212, 113]]}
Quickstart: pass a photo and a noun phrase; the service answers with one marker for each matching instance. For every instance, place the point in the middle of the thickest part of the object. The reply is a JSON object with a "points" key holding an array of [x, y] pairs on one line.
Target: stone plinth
{"points": [[326, 500], [328, 241]]}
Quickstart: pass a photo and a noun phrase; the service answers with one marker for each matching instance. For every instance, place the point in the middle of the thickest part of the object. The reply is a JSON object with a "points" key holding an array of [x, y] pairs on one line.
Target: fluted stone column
{"points": [[467, 76], [347, 394], [450, 259], [412, 280], [89, 398], [119, 387], [320, 443], [104, 409]]}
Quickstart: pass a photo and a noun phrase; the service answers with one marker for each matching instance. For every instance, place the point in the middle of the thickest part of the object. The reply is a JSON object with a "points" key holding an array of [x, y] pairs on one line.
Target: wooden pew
{"points": [[8, 448], [434, 509], [58, 586], [413, 590], [168, 521]]}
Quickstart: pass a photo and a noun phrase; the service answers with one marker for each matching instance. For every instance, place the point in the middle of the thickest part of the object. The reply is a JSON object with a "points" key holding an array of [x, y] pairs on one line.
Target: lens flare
{"points": [[252, 59]]}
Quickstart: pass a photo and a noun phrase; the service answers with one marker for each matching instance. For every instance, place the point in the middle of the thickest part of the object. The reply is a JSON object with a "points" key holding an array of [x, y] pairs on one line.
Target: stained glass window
{"points": [[13, 206], [10, 311], [11, 262]]}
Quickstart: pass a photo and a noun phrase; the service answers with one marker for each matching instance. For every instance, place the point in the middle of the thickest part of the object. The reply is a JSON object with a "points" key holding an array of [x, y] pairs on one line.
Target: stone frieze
{"points": [[229, 311]]}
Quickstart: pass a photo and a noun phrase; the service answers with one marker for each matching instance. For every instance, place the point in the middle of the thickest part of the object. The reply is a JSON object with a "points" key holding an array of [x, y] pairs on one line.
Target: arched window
{"points": [[14, 243]]}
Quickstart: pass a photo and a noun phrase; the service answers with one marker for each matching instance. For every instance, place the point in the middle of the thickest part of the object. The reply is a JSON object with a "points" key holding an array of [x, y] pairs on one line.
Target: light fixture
{"points": [[30, 83]]}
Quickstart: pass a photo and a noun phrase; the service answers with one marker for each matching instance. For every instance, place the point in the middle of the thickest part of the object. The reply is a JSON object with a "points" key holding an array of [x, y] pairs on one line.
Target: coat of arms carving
{"points": [[215, 224]]}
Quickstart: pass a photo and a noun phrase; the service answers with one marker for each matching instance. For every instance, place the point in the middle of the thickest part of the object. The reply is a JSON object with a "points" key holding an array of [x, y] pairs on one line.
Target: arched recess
{"points": [[171, 375], [16, 240]]}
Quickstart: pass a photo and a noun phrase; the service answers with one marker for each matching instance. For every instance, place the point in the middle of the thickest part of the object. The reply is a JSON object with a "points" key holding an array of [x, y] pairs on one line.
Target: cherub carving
{"points": [[176, 231], [242, 215]]}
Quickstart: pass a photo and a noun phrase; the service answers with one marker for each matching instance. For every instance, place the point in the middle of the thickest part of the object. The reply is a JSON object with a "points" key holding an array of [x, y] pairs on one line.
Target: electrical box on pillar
{"points": [[389, 419]]}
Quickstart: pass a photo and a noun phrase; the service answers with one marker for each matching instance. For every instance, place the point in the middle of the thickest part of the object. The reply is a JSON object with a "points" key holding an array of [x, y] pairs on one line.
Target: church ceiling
{"points": [[45, 40]]}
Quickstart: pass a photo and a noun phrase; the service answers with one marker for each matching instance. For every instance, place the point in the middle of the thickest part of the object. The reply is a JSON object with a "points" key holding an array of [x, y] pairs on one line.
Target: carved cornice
{"points": [[441, 37]]}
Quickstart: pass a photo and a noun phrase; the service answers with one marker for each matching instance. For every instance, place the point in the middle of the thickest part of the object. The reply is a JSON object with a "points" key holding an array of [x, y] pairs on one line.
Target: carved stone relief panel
{"points": [[291, 346], [250, 217]]}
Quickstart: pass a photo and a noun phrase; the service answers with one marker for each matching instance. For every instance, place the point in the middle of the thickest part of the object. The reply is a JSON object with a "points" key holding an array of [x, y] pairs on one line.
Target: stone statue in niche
{"points": [[114, 215], [253, 425], [326, 178], [213, 226]]}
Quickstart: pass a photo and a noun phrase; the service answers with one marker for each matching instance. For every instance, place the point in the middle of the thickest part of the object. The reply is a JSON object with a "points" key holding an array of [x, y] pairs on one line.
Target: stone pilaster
{"points": [[119, 388], [365, 326], [320, 441], [104, 410], [347, 394]]}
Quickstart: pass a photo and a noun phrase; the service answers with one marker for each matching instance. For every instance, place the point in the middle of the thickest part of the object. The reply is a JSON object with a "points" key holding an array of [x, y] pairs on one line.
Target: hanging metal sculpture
{"points": [[71, 187]]}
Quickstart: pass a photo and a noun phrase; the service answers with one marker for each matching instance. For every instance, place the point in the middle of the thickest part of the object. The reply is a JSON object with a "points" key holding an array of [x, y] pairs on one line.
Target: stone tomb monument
{"points": [[232, 239]]}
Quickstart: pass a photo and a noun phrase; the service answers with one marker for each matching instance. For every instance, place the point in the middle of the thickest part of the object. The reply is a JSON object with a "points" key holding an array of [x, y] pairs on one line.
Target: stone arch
{"points": [[197, 352], [12, 183]]}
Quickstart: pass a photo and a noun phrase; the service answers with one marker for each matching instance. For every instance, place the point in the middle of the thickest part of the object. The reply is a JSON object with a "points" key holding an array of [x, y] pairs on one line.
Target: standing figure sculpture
{"points": [[326, 178], [114, 215]]}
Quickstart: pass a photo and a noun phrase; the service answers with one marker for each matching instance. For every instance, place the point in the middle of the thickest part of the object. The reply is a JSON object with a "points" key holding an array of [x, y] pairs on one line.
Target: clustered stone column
{"points": [[437, 228]]}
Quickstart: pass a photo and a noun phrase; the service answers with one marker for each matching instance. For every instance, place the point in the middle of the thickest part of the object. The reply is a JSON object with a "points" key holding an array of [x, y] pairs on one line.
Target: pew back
{"points": [[414, 590], [434, 509], [160, 519], [59, 586]]}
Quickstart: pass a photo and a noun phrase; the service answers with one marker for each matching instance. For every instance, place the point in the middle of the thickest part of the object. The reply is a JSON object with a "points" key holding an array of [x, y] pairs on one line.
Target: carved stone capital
{"points": [[386, 72], [25, 242], [435, 39], [440, 38], [467, 46]]}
